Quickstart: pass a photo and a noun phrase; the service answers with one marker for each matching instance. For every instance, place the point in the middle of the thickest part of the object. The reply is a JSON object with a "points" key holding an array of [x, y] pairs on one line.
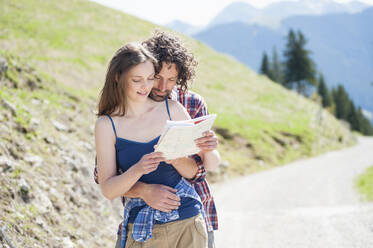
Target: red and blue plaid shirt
{"points": [[196, 107]]}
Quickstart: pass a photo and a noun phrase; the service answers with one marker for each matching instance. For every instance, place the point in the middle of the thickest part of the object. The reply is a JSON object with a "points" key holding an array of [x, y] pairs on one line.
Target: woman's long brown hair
{"points": [[113, 97]]}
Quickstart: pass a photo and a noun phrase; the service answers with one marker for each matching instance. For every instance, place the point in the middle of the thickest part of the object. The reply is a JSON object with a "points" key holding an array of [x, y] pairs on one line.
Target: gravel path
{"points": [[309, 203]]}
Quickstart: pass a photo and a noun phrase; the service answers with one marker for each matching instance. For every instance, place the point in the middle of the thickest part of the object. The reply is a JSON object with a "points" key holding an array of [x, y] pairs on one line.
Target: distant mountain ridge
{"points": [[183, 27], [272, 14], [341, 45]]}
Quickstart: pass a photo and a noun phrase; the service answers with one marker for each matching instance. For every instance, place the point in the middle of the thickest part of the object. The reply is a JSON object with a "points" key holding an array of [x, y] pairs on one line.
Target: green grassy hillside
{"points": [[47, 195]]}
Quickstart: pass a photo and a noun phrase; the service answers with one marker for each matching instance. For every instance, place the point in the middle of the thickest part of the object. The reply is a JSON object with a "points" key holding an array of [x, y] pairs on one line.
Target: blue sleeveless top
{"points": [[129, 152]]}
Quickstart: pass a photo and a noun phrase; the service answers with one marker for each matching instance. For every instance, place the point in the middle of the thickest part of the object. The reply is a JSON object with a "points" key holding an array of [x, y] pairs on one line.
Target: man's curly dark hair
{"points": [[170, 49]]}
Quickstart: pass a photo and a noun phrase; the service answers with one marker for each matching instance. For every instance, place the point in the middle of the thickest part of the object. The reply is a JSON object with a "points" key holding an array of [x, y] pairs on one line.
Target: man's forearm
{"points": [[137, 190], [187, 167], [211, 160]]}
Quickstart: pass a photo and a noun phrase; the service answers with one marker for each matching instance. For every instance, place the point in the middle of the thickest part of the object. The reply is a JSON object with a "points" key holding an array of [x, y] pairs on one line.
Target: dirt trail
{"points": [[308, 203]]}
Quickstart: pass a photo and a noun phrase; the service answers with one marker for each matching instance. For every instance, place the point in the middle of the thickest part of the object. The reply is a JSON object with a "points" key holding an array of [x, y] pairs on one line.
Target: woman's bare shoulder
{"points": [[103, 125]]}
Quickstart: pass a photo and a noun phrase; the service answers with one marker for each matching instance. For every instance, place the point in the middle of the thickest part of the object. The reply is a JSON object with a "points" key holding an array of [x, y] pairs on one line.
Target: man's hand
{"points": [[208, 142], [161, 197]]}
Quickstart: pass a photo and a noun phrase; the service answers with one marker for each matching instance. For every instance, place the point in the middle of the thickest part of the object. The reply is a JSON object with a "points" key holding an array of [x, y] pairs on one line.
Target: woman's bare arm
{"points": [[187, 167], [113, 186]]}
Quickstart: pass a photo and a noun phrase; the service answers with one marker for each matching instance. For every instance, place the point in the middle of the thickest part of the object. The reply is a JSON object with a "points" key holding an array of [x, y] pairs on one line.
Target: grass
{"points": [[364, 184], [50, 100]]}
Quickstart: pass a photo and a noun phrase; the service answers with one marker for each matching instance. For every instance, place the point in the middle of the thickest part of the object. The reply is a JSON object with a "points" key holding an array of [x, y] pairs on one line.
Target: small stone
{"points": [[39, 221], [67, 243], [25, 108], [9, 106], [35, 101], [81, 242], [49, 140], [71, 163], [69, 105], [53, 192], [23, 186], [19, 215], [71, 130], [86, 145], [24, 190], [43, 184], [3, 67], [43, 203], [60, 126], [14, 153], [4, 129], [33, 160], [6, 164], [32, 84], [21, 146], [35, 122]]}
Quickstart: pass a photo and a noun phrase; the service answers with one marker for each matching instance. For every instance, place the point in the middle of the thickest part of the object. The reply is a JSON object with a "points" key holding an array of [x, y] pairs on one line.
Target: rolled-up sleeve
{"points": [[201, 172]]}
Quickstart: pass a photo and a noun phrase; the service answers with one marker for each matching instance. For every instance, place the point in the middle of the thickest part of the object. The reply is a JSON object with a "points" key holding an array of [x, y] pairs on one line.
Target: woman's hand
{"points": [[149, 162]]}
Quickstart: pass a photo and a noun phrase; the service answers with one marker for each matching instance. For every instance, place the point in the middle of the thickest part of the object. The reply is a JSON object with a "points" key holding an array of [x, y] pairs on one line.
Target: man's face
{"points": [[164, 82]]}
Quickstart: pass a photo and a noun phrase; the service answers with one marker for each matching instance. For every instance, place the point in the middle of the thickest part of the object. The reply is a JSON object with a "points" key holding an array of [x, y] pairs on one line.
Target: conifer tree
{"points": [[264, 68], [299, 67], [346, 110], [342, 103], [365, 127], [276, 68], [323, 91], [353, 118]]}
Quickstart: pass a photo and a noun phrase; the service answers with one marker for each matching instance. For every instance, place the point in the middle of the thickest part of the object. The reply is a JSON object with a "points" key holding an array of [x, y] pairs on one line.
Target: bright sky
{"points": [[196, 12]]}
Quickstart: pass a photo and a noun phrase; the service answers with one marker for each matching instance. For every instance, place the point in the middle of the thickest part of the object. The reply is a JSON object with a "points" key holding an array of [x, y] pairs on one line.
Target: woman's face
{"points": [[139, 81]]}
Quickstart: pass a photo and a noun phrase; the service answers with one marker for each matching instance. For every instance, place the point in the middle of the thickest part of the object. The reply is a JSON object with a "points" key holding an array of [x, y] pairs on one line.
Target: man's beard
{"points": [[154, 95]]}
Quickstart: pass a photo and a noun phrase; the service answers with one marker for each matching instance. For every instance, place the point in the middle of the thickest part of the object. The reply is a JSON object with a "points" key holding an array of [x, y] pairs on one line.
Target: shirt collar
{"points": [[173, 95]]}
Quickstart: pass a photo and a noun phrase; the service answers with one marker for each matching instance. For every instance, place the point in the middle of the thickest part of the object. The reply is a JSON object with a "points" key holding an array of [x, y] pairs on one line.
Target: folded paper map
{"points": [[178, 137]]}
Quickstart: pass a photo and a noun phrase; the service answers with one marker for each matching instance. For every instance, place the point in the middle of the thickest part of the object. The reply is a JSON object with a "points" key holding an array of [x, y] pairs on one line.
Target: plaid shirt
{"points": [[196, 107], [144, 222]]}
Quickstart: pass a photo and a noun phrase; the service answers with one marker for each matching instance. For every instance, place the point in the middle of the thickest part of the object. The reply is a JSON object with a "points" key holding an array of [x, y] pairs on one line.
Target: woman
{"points": [[128, 127]]}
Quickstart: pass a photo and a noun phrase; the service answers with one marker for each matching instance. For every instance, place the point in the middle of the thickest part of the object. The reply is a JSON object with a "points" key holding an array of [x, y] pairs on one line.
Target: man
{"points": [[177, 68]]}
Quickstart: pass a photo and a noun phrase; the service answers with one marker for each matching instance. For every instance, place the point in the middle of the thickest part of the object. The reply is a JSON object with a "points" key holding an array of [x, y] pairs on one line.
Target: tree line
{"points": [[298, 71]]}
